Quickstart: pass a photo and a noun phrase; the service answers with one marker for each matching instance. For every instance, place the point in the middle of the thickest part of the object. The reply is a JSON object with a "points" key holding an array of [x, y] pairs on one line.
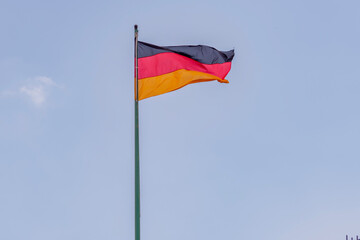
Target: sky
{"points": [[274, 154]]}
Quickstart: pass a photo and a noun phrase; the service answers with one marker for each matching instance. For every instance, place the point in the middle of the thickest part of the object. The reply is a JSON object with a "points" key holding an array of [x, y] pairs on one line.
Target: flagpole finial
{"points": [[136, 27]]}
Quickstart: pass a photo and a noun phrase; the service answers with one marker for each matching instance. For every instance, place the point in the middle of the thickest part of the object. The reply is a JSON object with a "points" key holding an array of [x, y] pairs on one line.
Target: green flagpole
{"points": [[137, 157]]}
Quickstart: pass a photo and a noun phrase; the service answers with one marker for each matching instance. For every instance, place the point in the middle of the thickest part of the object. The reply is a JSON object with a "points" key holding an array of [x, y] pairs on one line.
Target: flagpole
{"points": [[137, 157]]}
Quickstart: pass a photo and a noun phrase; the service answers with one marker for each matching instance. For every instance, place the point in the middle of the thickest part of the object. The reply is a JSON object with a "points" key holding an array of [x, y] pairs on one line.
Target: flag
{"points": [[165, 69]]}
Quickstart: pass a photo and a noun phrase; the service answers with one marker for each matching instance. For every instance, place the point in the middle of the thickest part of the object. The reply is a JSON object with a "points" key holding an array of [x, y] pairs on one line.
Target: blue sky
{"points": [[274, 154]]}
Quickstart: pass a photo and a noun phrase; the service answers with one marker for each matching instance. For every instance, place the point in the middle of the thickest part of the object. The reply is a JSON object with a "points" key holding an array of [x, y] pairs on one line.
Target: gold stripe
{"points": [[153, 86]]}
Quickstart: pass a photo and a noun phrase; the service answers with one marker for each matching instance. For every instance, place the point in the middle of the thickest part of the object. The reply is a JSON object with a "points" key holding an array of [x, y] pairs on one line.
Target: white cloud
{"points": [[38, 89], [45, 80], [35, 93]]}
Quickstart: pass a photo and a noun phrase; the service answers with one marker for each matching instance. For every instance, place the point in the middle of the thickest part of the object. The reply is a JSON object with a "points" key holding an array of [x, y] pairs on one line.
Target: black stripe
{"points": [[200, 53]]}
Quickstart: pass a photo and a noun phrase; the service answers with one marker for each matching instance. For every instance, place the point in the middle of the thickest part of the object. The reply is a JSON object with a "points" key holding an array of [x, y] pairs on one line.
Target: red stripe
{"points": [[163, 63]]}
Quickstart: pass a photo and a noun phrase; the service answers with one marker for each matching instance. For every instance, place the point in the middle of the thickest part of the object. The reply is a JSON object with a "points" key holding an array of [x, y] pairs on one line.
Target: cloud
{"points": [[36, 93], [38, 89], [45, 80]]}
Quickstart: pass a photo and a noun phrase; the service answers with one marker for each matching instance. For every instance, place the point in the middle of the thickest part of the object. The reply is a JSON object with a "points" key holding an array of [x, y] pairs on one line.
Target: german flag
{"points": [[165, 69]]}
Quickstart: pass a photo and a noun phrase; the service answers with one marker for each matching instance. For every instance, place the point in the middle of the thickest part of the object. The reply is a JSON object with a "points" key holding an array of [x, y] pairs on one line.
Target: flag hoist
{"points": [[159, 70]]}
